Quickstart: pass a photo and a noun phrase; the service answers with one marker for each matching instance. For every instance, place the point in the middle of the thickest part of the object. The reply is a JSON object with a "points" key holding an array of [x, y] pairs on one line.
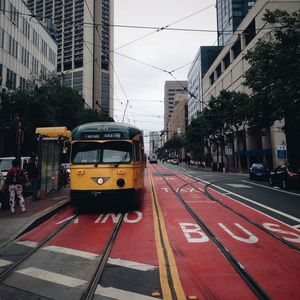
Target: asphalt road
{"points": [[283, 205]]}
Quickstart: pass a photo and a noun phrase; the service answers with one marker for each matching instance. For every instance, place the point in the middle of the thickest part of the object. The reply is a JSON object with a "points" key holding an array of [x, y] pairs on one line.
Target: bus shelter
{"points": [[51, 142]]}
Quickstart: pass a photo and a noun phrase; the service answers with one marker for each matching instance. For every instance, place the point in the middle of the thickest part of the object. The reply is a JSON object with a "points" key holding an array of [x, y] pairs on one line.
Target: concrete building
{"points": [[226, 73], [230, 14], [178, 121], [171, 89], [203, 60], [26, 48], [84, 57], [154, 140]]}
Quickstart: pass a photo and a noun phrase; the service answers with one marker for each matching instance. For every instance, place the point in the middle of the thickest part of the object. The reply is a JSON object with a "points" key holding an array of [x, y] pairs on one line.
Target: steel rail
{"points": [[88, 294], [11, 269], [253, 285]]}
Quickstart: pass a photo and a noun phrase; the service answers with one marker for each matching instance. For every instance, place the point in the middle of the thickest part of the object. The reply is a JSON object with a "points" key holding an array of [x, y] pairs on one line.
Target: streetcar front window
{"points": [[116, 152], [86, 153]]}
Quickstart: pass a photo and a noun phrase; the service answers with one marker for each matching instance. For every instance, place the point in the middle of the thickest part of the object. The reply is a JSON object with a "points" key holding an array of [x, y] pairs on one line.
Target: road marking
{"points": [[118, 294], [73, 252], [296, 227], [131, 264], [52, 277], [4, 262], [279, 212], [239, 185], [163, 243], [259, 204], [277, 189], [28, 243]]}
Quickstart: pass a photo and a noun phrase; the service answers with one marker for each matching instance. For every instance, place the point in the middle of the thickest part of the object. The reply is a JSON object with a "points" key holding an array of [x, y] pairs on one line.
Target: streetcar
{"points": [[107, 162]]}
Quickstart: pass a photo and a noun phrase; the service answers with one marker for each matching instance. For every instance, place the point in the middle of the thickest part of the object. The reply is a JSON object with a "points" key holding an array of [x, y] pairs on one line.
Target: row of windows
{"points": [[7, 8], [248, 35], [19, 52]]}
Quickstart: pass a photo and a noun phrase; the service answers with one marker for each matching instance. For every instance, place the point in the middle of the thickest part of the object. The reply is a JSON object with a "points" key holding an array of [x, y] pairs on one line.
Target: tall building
{"points": [[230, 13], [203, 60], [26, 48], [154, 140], [171, 89], [84, 40]]}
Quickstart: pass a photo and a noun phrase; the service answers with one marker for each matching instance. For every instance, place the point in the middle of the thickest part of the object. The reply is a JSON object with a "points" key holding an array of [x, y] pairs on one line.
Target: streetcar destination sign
{"points": [[102, 135]]}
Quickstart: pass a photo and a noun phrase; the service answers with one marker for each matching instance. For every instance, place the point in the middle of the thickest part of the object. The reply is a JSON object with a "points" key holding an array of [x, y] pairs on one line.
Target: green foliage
{"points": [[274, 74], [48, 104]]}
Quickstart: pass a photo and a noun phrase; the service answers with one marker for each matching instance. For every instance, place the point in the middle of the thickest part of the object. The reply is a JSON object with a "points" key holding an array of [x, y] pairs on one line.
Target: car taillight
{"points": [[291, 173]]}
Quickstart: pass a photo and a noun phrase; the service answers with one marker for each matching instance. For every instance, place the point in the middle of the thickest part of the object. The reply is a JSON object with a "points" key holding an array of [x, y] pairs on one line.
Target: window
{"points": [[14, 15], [2, 6], [116, 152], [137, 154], [96, 153]]}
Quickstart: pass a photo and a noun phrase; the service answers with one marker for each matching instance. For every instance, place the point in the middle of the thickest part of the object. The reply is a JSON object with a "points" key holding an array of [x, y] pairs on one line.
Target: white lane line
{"points": [[259, 204], [70, 251], [28, 243], [52, 277], [4, 262], [118, 294], [131, 264], [279, 212], [296, 227], [273, 188]]}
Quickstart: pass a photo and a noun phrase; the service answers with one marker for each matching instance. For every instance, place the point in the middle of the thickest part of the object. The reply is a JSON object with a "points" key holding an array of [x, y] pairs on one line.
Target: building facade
{"points": [[26, 48], [204, 58], [84, 38], [230, 14], [171, 89], [154, 140], [226, 73]]}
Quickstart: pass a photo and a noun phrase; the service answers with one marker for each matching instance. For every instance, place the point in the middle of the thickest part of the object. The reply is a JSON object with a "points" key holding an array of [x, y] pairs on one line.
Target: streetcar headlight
{"points": [[100, 181], [120, 182]]}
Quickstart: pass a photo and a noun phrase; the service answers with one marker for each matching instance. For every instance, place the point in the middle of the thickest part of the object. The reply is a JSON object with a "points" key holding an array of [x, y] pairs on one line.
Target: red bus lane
{"points": [[38, 233], [272, 225], [203, 270], [273, 265]]}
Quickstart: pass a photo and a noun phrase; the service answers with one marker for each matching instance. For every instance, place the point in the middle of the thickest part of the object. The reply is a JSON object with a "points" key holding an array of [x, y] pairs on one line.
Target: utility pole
{"points": [[19, 137], [1, 121]]}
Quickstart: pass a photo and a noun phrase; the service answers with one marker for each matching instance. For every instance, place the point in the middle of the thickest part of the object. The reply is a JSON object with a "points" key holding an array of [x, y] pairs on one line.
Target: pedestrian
{"points": [[15, 180], [1, 189], [33, 175]]}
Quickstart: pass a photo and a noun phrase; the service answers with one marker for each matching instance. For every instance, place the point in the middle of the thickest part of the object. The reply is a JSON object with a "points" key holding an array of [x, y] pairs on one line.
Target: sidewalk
{"points": [[12, 225]]}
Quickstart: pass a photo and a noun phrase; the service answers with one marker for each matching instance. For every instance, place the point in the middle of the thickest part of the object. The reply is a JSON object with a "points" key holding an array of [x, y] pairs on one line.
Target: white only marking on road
{"points": [[28, 243], [296, 227], [204, 181], [52, 277], [4, 262], [131, 264], [118, 294], [277, 189], [74, 252]]}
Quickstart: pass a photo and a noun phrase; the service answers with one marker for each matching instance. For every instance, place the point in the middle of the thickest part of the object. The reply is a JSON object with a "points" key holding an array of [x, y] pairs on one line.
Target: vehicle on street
{"points": [[285, 176], [153, 159], [259, 171], [175, 161], [107, 163]]}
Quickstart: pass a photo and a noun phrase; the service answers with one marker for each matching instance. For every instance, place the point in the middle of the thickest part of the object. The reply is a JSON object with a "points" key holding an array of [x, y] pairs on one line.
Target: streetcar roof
{"points": [[128, 131]]}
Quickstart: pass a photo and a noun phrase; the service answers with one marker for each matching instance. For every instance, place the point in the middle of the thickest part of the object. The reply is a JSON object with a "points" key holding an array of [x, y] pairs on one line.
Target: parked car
{"points": [[285, 176], [259, 171]]}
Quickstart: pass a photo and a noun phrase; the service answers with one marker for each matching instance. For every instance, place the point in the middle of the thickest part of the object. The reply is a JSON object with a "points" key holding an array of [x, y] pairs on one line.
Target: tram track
{"points": [[249, 280], [91, 283]]}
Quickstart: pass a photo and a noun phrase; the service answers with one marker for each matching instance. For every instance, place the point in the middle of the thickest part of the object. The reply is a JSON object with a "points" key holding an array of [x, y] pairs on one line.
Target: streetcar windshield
{"points": [[97, 153]]}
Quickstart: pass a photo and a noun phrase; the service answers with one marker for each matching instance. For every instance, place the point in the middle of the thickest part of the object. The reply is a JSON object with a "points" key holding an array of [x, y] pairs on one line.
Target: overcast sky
{"points": [[141, 84]]}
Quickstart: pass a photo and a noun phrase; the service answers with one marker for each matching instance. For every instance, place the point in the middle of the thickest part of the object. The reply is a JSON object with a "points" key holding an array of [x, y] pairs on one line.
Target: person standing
{"points": [[33, 175], [15, 180], [1, 189]]}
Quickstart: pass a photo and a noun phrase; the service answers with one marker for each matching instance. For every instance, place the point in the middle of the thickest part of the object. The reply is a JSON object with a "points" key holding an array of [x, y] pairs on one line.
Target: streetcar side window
{"points": [[86, 153], [137, 154], [116, 152]]}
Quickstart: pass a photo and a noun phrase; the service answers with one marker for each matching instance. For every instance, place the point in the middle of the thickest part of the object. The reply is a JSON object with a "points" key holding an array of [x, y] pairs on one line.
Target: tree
{"points": [[48, 104], [274, 77]]}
